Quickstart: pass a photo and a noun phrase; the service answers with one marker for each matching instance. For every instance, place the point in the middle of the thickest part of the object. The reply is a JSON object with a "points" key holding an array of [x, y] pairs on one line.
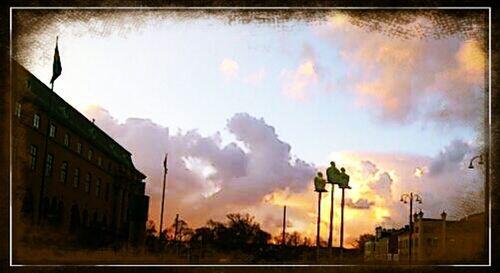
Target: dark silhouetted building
{"points": [[90, 181]]}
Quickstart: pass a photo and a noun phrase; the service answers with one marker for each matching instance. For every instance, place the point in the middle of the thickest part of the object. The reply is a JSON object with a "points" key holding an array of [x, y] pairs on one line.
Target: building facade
{"points": [[67, 174], [384, 246], [433, 240]]}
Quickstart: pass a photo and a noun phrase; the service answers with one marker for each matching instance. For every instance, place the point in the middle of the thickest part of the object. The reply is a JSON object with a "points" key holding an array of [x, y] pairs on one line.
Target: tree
{"points": [[361, 241], [240, 231]]}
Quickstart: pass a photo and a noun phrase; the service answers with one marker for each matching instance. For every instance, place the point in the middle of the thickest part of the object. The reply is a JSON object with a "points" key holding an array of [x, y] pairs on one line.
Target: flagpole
{"points": [[56, 71], [45, 153], [163, 194]]}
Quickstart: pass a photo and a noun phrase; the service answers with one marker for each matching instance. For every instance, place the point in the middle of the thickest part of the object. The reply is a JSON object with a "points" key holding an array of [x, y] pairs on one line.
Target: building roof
{"points": [[67, 115]]}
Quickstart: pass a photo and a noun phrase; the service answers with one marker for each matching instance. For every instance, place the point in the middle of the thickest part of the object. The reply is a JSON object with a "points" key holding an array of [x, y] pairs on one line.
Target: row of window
{"points": [[63, 175], [432, 242], [66, 139]]}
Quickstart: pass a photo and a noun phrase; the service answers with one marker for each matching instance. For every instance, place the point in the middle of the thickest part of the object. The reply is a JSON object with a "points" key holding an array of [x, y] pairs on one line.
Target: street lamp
{"points": [[405, 198], [482, 159], [481, 162]]}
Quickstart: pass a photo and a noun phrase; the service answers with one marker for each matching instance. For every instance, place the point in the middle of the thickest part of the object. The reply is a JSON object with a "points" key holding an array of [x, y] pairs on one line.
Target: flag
{"points": [[165, 162], [56, 67]]}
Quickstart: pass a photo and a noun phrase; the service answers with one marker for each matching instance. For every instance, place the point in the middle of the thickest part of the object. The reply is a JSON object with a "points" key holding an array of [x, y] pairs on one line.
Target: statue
{"points": [[344, 180], [333, 174], [319, 183]]}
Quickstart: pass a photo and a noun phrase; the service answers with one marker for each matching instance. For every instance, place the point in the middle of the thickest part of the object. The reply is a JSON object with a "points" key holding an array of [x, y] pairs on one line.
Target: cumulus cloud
{"points": [[403, 80], [382, 186], [450, 157], [368, 167], [207, 179]]}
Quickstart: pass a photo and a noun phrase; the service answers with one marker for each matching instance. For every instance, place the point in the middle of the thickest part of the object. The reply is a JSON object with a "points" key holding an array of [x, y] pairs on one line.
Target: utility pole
{"points": [[175, 233], [283, 242], [165, 170]]}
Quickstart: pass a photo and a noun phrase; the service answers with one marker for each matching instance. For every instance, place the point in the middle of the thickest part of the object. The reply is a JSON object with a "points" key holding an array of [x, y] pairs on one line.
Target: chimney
{"points": [[443, 216], [443, 234], [378, 232]]}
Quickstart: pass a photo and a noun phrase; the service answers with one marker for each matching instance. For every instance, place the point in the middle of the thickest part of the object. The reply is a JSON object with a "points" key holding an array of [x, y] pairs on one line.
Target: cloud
{"points": [[229, 68], [383, 186], [368, 167], [359, 204], [450, 158], [404, 80], [206, 179], [299, 82]]}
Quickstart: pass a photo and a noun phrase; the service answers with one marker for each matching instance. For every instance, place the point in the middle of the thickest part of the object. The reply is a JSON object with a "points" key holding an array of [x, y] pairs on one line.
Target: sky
{"points": [[250, 112]]}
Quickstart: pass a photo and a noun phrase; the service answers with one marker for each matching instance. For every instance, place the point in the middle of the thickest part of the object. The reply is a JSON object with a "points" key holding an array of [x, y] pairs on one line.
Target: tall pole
{"points": [[330, 237], [175, 233], [342, 224], [44, 167], [284, 226], [404, 199], [163, 194], [411, 228], [318, 225]]}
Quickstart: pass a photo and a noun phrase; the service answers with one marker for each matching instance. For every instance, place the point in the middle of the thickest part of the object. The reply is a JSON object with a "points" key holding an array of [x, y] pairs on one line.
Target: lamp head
{"points": [[481, 162]]}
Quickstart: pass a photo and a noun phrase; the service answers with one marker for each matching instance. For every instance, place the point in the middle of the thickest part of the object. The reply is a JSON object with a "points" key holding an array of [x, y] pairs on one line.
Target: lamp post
{"points": [[483, 160], [405, 198]]}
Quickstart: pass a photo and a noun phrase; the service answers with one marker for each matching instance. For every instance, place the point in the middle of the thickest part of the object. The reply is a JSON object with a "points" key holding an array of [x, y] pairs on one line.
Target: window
{"points": [[17, 111], [66, 140], [76, 178], [64, 172], [99, 161], [33, 151], [52, 130], [106, 192], [89, 155], [36, 121], [79, 148], [48, 167], [98, 188], [87, 183]]}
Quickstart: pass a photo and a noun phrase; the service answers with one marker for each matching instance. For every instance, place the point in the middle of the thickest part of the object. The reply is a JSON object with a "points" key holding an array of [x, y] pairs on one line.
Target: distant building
{"points": [[384, 247], [434, 240], [90, 180], [445, 240]]}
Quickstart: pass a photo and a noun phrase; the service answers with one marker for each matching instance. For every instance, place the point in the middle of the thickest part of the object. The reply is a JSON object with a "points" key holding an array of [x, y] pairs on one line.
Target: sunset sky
{"points": [[249, 112]]}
